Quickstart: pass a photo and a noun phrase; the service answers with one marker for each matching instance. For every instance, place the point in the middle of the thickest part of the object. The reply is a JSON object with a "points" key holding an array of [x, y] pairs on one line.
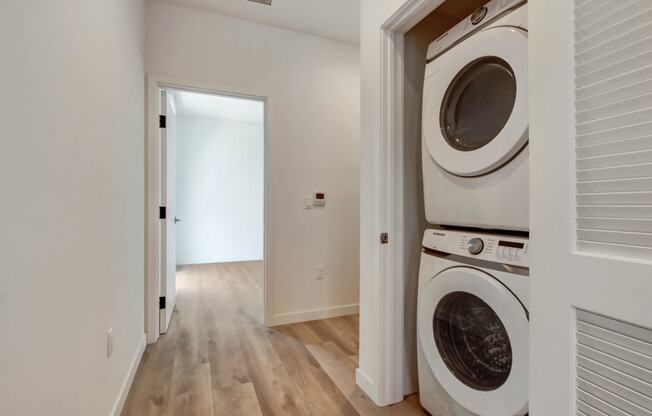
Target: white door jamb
{"points": [[392, 383]]}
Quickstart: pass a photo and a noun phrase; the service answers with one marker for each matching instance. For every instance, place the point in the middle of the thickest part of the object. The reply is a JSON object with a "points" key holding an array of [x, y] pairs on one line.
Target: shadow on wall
{"points": [[416, 45]]}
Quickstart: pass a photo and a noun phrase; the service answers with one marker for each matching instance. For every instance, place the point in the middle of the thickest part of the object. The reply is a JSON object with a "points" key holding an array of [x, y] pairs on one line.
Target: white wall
{"points": [[72, 192], [220, 178], [313, 89]]}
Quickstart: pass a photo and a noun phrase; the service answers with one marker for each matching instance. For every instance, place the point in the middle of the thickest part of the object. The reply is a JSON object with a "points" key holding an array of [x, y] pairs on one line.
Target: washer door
{"points": [[475, 108], [474, 334]]}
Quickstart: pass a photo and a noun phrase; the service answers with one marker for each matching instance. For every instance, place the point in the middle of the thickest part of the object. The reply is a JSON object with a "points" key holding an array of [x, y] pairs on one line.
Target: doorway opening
{"points": [[209, 189]]}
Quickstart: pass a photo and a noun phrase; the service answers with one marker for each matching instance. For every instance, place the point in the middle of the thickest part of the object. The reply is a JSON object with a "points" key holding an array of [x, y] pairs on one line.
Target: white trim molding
{"points": [[129, 378], [314, 314], [153, 272], [366, 384], [391, 214], [390, 386]]}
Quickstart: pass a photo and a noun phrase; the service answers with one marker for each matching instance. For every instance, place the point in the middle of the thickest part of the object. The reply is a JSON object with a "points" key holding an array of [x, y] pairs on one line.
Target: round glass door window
{"points": [[472, 341], [478, 103]]}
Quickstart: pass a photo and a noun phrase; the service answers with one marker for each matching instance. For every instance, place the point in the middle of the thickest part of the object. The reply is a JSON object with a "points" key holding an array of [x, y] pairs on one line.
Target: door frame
{"points": [[393, 380], [153, 194]]}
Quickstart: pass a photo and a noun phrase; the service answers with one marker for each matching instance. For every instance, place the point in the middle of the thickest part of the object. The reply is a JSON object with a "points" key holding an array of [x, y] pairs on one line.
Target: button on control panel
{"points": [[512, 250]]}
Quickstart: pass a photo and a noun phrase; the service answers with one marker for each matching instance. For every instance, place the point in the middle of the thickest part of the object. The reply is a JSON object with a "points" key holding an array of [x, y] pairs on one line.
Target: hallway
{"points": [[217, 359]]}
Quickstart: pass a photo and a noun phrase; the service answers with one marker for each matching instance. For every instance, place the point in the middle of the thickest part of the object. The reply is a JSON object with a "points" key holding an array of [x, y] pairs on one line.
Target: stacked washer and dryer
{"points": [[472, 313]]}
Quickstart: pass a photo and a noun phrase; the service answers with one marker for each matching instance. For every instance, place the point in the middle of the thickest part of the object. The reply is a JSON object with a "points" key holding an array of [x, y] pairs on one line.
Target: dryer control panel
{"points": [[479, 19], [497, 248]]}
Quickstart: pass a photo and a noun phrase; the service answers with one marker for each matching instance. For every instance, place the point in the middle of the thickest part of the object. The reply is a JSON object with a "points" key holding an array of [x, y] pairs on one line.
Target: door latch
{"points": [[384, 238]]}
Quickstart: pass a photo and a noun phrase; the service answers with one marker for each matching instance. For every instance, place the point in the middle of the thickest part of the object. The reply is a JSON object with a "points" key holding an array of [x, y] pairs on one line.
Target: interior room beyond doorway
{"points": [[214, 163]]}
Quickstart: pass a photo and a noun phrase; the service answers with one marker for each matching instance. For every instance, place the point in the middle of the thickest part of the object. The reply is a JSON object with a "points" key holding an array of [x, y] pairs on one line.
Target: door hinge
{"points": [[384, 238], [162, 213], [161, 302], [162, 121]]}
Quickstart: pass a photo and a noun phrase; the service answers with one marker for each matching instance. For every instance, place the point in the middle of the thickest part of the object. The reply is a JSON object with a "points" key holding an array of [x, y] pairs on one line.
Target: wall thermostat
{"points": [[319, 199]]}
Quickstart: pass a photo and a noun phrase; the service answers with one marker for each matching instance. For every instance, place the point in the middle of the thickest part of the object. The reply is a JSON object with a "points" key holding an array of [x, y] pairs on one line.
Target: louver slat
{"points": [[605, 17], [615, 28], [598, 11], [594, 403], [612, 135], [596, 49], [613, 81], [616, 224], [586, 7], [615, 212], [615, 185], [613, 70], [613, 367], [605, 149], [620, 198], [615, 84], [615, 159]]}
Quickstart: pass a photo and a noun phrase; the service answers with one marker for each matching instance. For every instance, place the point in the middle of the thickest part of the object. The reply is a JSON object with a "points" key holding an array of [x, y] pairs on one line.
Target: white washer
{"points": [[472, 324], [475, 121]]}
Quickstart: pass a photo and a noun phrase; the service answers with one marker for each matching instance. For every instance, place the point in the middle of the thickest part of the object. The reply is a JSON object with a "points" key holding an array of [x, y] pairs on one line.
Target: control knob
{"points": [[476, 245], [478, 15]]}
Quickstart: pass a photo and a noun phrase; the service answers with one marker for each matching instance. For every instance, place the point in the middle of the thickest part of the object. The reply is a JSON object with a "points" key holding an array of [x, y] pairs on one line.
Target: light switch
{"points": [[307, 202]]}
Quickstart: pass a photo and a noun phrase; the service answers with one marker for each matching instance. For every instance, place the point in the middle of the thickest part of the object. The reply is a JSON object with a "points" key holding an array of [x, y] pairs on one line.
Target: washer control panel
{"points": [[480, 18], [497, 248]]}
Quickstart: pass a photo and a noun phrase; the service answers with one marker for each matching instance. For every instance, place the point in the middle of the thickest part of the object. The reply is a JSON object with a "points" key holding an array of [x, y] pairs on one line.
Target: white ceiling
{"points": [[333, 19], [217, 106]]}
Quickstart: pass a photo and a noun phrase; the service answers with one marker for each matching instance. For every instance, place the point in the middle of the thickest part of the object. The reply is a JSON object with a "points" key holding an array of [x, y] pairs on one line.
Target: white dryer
{"points": [[473, 324], [475, 121]]}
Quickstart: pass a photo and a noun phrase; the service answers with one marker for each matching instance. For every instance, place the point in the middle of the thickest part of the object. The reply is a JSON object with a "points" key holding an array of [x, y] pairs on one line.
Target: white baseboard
{"points": [[314, 314], [366, 385], [129, 378]]}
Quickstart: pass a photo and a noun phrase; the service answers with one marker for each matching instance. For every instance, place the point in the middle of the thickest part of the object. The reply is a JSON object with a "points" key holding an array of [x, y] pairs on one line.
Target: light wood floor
{"points": [[217, 359]]}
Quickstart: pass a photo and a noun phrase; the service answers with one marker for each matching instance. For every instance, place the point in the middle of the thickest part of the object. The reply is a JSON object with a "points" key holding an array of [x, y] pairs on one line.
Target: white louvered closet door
{"points": [[591, 207]]}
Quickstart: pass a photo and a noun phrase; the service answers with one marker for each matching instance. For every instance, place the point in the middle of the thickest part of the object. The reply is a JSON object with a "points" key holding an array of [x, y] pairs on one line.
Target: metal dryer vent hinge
{"points": [[266, 2]]}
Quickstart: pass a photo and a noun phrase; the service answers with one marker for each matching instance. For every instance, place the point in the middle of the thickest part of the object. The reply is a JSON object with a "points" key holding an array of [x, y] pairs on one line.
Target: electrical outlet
{"points": [[109, 342], [321, 272]]}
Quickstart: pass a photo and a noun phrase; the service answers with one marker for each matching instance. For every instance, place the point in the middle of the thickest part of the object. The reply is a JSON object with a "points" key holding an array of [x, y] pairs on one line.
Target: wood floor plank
{"points": [[228, 362], [341, 369], [150, 395], [254, 271], [344, 335], [192, 391], [309, 378], [325, 332], [304, 332], [217, 359], [269, 374], [190, 349], [237, 400]]}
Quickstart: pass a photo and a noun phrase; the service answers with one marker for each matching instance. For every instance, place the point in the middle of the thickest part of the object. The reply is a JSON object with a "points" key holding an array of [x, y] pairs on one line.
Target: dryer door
{"points": [[475, 104], [474, 333]]}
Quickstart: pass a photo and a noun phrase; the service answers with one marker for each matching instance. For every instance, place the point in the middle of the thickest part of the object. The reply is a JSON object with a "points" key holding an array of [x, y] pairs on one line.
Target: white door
{"points": [[475, 102], [474, 334], [591, 207], [168, 200]]}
